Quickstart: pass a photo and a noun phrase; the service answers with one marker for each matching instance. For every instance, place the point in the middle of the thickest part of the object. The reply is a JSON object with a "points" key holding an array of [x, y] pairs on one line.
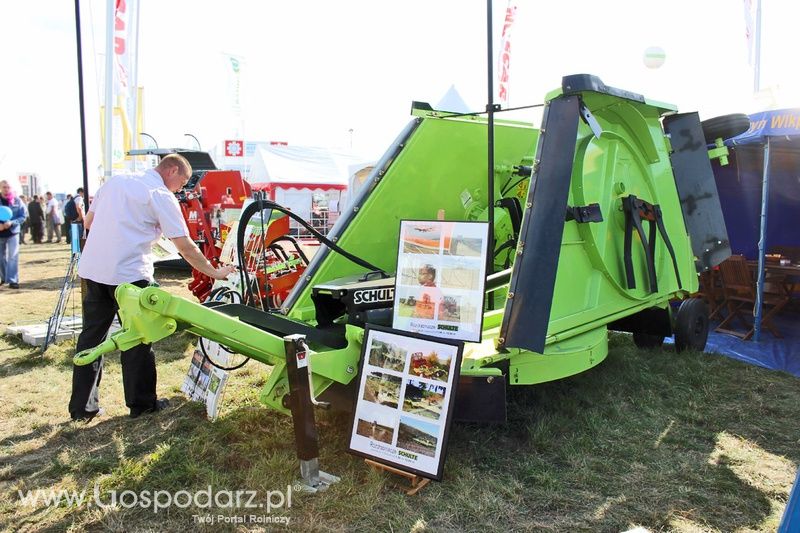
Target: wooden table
{"points": [[790, 272]]}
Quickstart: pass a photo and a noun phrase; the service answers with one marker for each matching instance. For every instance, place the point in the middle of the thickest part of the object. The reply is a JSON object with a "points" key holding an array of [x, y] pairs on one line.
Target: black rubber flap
{"points": [[533, 278], [697, 190], [481, 399]]}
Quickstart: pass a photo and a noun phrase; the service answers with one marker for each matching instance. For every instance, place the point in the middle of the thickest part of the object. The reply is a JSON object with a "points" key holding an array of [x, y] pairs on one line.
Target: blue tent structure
{"points": [[760, 190]]}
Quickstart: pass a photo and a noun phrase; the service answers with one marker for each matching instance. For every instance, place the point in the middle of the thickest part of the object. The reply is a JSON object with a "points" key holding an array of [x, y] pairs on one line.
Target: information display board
{"points": [[441, 275], [405, 399]]}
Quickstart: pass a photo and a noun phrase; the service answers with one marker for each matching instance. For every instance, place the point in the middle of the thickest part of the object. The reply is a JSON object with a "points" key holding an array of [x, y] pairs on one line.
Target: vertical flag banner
{"points": [[504, 58], [233, 77], [750, 28], [125, 35]]}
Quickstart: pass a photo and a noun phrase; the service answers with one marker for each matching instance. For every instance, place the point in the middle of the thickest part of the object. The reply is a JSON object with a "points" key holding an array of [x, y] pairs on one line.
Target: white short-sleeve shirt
{"points": [[130, 214]]}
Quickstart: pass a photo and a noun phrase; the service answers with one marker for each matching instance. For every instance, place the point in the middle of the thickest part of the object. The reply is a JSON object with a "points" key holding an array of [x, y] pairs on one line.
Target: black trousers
{"points": [[138, 364]]}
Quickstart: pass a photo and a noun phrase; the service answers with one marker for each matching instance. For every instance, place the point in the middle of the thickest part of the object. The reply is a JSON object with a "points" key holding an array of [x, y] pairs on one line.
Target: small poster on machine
{"points": [[206, 378], [441, 274], [405, 400], [204, 382]]}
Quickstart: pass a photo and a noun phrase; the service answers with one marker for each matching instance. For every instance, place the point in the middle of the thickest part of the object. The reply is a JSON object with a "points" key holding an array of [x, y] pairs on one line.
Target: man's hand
{"points": [[5, 225], [195, 257], [224, 271]]}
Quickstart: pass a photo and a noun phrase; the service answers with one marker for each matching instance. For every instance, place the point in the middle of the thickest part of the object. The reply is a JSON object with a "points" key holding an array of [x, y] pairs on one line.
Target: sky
{"points": [[343, 74]]}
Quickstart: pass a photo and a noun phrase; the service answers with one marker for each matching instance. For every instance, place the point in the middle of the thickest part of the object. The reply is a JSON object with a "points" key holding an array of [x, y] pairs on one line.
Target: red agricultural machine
{"points": [[212, 203]]}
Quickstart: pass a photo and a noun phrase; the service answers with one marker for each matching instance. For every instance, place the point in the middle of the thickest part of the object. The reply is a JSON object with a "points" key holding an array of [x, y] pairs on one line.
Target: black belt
{"points": [[637, 210]]}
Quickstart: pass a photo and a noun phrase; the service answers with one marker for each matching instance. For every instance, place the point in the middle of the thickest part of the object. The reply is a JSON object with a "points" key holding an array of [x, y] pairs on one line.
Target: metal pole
{"points": [[762, 245], [490, 143], [80, 99], [109, 96]]}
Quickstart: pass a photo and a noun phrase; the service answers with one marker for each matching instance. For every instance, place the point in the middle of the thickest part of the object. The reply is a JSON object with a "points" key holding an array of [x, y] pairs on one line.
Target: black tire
{"points": [[725, 127], [691, 325], [646, 340]]}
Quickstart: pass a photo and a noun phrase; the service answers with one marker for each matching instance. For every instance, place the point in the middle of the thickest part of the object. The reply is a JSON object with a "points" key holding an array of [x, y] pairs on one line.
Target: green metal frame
{"points": [[444, 157]]}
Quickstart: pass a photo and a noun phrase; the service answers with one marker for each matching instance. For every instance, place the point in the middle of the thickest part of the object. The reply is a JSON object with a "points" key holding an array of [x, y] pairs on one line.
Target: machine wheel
{"points": [[725, 127], [691, 325], [646, 340]]}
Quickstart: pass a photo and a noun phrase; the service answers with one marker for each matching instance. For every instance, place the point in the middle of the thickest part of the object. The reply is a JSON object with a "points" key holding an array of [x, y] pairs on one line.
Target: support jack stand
{"points": [[313, 479], [301, 400]]}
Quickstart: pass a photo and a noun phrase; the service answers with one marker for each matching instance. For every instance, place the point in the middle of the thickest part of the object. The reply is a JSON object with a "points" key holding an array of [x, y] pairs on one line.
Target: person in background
{"points": [[74, 211], [36, 217], [65, 226], [26, 224], [80, 205], [9, 236], [127, 216], [53, 218]]}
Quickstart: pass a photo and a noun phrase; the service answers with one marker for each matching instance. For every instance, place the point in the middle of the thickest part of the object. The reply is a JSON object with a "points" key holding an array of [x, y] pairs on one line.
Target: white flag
{"points": [[750, 28], [125, 45], [504, 57]]}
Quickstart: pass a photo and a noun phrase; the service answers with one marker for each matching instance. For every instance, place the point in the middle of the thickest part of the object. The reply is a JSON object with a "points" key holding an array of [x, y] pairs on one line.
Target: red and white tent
{"points": [[311, 181]]}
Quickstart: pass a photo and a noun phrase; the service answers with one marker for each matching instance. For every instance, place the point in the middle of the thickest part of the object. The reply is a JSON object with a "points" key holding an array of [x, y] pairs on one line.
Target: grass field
{"points": [[670, 442]]}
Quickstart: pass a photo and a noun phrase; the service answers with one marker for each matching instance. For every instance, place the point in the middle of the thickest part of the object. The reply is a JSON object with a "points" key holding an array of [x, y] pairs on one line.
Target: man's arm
{"points": [[189, 250], [87, 220]]}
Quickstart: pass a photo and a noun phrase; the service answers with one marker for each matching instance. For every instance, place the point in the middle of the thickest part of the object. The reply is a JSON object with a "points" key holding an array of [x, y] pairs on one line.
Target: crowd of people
{"points": [[33, 217], [46, 216]]}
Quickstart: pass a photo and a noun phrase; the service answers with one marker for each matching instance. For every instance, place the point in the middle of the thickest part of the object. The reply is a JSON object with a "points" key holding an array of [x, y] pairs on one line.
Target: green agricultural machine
{"points": [[600, 219]]}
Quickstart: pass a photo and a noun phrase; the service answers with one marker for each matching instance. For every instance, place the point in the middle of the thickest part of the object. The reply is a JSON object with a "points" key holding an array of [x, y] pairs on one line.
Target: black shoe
{"points": [[13, 285], [160, 405], [88, 417]]}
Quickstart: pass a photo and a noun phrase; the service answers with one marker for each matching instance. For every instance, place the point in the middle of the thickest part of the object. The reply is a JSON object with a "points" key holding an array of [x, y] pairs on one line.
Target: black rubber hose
{"points": [[215, 365], [324, 240], [250, 210], [215, 295]]}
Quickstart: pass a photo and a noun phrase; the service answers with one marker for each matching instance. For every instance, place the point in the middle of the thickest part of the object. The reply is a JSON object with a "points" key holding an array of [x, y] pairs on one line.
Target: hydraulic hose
{"points": [[260, 205], [218, 294]]}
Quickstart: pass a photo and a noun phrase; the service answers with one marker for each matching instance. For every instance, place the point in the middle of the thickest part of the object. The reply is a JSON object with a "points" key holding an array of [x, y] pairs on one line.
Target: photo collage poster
{"points": [[441, 274], [204, 382], [405, 396]]}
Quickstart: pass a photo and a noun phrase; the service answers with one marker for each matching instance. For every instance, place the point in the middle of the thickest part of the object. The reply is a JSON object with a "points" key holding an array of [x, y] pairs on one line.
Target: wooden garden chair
{"points": [[739, 289]]}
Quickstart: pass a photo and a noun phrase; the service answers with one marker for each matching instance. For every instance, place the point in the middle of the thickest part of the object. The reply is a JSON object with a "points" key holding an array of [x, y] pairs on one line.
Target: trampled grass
{"points": [[684, 442]]}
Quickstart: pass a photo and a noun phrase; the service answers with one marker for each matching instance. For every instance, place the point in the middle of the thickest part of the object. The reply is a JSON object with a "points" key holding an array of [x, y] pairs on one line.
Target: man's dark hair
{"points": [[80, 190]]}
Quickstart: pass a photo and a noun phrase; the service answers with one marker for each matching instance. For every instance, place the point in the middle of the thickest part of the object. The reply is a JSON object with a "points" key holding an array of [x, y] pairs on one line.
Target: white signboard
{"points": [[405, 400], [441, 274]]}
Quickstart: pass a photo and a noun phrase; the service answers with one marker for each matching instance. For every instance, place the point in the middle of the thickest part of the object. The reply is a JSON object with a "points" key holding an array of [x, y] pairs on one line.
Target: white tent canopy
{"points": [[311, 181], [298, 165]]}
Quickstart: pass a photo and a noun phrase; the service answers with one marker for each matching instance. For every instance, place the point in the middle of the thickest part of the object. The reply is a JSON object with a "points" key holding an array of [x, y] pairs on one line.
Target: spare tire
{"points": [[725, 127]]}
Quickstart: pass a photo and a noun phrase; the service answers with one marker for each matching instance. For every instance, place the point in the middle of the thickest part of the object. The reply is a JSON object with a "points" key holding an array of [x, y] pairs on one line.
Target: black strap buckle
{"points": [[637, 210], [583, 214]]}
